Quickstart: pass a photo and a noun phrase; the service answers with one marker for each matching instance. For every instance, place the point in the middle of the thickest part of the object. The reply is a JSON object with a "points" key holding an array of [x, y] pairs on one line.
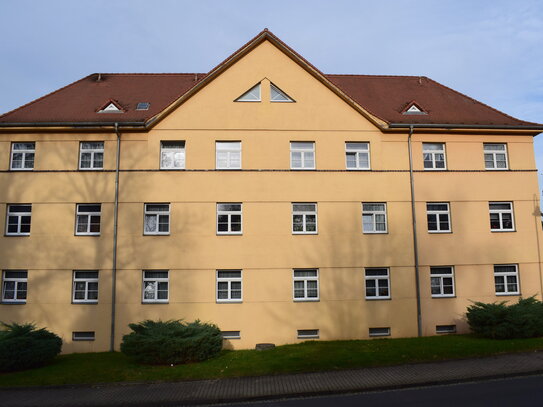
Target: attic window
{"points": [[277, 95], [111, 107], [252, 95], [143, 106], [413, 108]]}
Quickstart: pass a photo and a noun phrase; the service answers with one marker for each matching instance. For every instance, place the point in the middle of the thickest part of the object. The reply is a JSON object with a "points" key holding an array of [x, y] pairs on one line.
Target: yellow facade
{"points": [[267, 251]]}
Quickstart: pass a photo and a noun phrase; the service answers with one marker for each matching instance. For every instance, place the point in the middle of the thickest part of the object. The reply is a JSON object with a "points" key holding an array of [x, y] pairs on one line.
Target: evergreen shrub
{"points": [[24, 346], [171, 342], [501, 321]]}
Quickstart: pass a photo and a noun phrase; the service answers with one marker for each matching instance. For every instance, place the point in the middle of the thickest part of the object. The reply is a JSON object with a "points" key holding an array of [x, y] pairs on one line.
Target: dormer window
{"points": [[111, 107], [277, 95], [413, 108], [143, 106], [252, 95]]}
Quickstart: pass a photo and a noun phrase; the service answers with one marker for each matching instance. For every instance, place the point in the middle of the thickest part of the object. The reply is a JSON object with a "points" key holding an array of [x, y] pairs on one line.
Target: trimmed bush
{"points": [[501, 321], [171, 342], [24, 346]]}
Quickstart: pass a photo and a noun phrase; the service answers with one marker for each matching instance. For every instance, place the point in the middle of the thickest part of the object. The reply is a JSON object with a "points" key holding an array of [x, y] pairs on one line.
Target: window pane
{"points": [[229, 207], [494, 147], [155, 274], [302, 145], [157, 207], [305, 273], [15, 274], [500, 206], [150, 223], [229, 274], [376, 272]]}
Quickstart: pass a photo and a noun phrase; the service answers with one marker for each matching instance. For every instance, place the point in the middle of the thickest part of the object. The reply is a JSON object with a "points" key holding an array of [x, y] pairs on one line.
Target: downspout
{"points": [[115, 219], [415, 242]]}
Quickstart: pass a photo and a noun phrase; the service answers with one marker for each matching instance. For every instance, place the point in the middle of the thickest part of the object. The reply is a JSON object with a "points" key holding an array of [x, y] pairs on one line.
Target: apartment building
{"points": [[280, 203]]}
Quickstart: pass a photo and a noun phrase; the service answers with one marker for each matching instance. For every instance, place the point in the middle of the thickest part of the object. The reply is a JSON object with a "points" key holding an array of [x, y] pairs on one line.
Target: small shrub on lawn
{"points": [[24, 346], [501, 321], [171, 342]]}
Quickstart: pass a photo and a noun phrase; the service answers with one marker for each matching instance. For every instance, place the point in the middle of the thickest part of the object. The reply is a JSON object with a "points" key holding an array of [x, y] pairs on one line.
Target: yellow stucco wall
{"points": [[267, 251]]}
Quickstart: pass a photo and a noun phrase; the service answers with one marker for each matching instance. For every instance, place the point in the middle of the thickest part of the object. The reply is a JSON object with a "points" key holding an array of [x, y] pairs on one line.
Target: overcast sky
{"points": [[491, 50]]}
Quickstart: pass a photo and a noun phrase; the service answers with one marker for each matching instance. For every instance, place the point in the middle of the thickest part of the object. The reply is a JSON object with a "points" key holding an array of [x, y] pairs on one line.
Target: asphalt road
{"points": [[513, 392]]}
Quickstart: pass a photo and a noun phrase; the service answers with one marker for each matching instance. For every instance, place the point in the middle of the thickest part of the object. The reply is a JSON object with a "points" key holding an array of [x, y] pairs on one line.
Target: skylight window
{"points": [[143, 106], [277, 95], [252, 95]]}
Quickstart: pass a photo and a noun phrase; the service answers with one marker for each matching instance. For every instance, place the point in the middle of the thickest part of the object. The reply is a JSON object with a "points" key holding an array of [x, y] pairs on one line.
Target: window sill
{"points": [[306, 300], [443, 296], [13, 303], [440, 232], [91, 169], [375, 233], [496, 169], [87, 234], [358, 169], [172, 169], [435, 169], [21, 169], [84, 302], [507, 294], [17, 235], [229, 234], [156, 234], [378, 298], [502, 231], [156, 302], [229, 301]]}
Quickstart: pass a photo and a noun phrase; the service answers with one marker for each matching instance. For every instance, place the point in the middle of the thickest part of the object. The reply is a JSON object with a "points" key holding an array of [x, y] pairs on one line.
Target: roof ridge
{"points": [[481, 103], [44, 96], [150, 73], [376, 76]]}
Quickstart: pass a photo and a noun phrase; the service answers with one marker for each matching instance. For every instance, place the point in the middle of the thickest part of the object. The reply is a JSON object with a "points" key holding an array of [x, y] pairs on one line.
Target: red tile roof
{"points": [[82, 100], [385, 97]]}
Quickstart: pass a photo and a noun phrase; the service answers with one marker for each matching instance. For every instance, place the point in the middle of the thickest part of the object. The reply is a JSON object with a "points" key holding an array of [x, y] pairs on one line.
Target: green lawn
{"points": [[305, 357]]}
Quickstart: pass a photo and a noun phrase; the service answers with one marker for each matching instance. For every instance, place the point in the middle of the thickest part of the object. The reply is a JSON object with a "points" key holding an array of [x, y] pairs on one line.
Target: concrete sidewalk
{"points": [[254, 388]]}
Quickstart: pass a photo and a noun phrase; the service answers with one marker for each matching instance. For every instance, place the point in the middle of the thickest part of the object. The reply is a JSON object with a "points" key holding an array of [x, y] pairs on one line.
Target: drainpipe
{"points": [[415, 242], [115, 219]]}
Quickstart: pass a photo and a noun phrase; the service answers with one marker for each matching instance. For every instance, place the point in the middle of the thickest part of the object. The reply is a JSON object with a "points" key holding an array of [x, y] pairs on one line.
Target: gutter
{"points": [[115, 222], [414, 224], [73, 124], [462, 126]]}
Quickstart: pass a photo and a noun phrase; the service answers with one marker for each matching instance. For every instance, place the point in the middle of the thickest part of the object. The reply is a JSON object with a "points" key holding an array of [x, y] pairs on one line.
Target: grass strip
{"points": [[311, 356]]}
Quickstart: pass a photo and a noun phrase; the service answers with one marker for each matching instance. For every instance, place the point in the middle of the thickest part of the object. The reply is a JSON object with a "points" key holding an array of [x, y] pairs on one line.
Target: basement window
{"points": [[445, 329], [374, 332], [308, 334], [231, 334], [143, 106], [83, 336]]}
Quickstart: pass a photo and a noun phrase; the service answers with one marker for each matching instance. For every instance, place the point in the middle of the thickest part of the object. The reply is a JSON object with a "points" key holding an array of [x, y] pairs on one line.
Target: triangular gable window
{"points": [[277, 95], [413, 108], [252, 95], [111, 107]]}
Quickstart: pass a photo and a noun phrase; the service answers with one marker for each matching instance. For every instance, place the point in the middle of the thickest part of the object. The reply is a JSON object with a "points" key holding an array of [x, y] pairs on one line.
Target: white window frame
{"points": [[89, 214], [379, 331], [493, 158], [86, 281], [433, 153], [25, 151], [307, 154], [229, 289], [229, 214], [93, 151], [17, 282], [231, 334], [19, 216], [304, 214], [231, 149], [155, 290], [172, 148], [357, 149], [373, 213], [83, 336], [500, 213], [156, 214], [439, 214], [376, 279], [439, 274], [305, 280], [308, 334], [504, 276]]}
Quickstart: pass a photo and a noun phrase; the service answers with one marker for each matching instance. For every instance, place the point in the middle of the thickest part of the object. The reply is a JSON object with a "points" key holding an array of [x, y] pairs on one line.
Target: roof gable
{"points": [[378, 98]]}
